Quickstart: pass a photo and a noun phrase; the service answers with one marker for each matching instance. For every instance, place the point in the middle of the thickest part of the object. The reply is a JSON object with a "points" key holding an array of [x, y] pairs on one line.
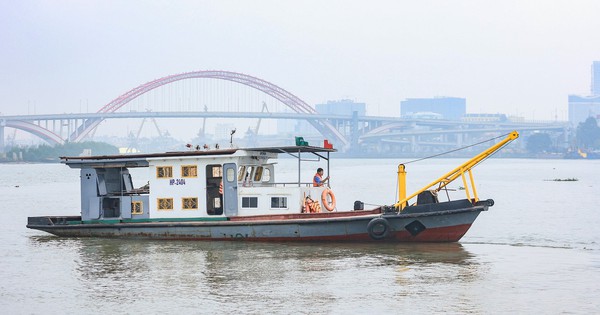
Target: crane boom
{"points": [[449, 177]]}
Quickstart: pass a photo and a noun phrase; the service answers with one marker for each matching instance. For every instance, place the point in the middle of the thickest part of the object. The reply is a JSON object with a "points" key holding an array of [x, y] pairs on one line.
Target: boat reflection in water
{"points": [[137, 270]]}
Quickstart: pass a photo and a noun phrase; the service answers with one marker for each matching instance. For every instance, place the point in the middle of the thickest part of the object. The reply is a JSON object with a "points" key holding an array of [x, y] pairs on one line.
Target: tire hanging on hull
{"points": [[378, 228]]}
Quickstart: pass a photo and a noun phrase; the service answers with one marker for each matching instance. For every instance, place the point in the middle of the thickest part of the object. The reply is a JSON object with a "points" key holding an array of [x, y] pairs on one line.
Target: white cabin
{"points": [[196, 185]]}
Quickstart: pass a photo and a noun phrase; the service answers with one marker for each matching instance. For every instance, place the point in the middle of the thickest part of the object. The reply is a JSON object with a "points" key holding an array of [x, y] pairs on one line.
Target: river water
{"points": [[537, 250]]}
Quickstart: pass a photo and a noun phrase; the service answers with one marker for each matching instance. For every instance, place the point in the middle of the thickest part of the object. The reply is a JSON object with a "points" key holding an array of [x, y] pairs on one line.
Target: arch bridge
{"points": [[86, 124]]}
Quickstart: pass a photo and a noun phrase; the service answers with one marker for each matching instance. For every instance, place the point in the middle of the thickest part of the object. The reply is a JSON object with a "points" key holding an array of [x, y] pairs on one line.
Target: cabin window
{"points": [[230, 175], [258, 173], [249, 202], [189, 171], [278, 202], [217, 203], [189, 203], [241, 172], [248, 176], [137, 207], [266, 175], [165, 203], [217, 171], [164, 171]]}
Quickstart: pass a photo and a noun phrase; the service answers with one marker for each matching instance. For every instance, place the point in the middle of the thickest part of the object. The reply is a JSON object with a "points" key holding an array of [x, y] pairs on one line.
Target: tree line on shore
{"points": [[47, 153]]}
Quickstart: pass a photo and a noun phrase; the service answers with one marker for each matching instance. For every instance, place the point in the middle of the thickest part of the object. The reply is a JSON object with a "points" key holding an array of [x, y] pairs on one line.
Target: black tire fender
{"points": [[378, 228]]}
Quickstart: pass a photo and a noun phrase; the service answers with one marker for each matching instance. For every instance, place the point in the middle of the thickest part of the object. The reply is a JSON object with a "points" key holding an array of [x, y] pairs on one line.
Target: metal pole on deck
{"points": [[299, 159], [329, 181]]}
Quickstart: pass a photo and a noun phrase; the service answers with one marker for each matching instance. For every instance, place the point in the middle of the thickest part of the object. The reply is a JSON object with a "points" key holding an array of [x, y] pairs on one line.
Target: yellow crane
{"points": [[449, 177]]}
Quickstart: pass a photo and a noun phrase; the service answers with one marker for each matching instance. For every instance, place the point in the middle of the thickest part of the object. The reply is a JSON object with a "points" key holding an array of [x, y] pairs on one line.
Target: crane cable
{"points": [[461, 148]]}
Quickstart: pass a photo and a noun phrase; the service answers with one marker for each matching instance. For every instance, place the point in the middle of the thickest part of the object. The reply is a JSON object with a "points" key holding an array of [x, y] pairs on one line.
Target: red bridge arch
{"points": [[273, 90]]}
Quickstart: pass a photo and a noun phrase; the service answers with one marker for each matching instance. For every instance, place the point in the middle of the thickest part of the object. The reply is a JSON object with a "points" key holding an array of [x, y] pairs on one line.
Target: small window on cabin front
{"points": [[248, 176], [241, 172], [258, 173], [230, 175], [217, 202], [137, 207], [165, 203], [249, 202], [164, 171], [278, 202], [217, 171], [189, 171], [266, 175], [189, 203]]}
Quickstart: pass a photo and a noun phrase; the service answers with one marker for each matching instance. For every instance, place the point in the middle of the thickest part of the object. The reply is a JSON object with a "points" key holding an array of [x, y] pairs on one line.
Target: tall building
{"points": [[451, 108], [595, 88], [582, 107]]}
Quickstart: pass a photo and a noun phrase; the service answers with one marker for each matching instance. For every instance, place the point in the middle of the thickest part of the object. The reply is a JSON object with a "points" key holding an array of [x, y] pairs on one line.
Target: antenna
{"points": [[231, 138]]}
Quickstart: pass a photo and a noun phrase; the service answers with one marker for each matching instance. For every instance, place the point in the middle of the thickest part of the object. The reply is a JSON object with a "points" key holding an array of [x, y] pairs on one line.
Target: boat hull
{"points": [[442, 223]]}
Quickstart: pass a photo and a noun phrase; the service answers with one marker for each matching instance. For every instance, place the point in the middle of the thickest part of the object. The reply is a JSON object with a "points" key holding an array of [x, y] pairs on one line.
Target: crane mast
{"points": [[460, 171]]}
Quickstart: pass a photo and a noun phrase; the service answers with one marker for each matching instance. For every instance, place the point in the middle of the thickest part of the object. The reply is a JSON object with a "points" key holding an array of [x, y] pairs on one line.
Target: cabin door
{"points": [[230, 189], [214, 199]]}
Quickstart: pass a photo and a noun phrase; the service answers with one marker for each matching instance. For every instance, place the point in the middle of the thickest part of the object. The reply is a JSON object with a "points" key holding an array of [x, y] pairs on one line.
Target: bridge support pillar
{"points": [[2, 124], [354, 132]]}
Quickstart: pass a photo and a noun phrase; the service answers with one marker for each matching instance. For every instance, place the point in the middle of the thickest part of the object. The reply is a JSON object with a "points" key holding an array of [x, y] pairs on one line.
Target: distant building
{"points": [[582, 107], [595, 88], [451, 108], [341, 107]]}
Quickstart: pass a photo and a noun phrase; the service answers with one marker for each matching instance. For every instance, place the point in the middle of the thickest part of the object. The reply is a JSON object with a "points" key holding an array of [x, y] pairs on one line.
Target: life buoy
{"points": [[328, 205], [378, 228]]}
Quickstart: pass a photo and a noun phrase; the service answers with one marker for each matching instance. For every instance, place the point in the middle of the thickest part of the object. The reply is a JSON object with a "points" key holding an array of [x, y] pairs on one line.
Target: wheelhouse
{"points": [[194, 185]]}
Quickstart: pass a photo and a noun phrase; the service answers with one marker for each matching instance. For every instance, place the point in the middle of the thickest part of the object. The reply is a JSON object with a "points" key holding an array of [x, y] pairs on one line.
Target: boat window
{"points": [[137, 207], [230, 175], [258, 173], [189, 171], [249, 202], [127, 182], [241, 172], [248, 175], [266, 175], [278, 202], [217, 202], [217, 171], [189, 203], [164, 171], [165, 203]]}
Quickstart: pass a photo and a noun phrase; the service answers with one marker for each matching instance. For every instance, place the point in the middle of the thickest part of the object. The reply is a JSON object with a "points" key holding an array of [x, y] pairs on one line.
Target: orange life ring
{"points": [[328, 205]]}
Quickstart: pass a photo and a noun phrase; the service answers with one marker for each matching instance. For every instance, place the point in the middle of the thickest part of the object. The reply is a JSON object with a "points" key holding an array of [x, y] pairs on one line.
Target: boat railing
{"points": [[277, 184], [284, 184]]}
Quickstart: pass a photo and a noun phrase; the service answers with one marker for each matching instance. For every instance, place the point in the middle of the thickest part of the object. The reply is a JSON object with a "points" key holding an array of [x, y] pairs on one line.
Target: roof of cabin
{"points": [[291, 149], [141, 159]]}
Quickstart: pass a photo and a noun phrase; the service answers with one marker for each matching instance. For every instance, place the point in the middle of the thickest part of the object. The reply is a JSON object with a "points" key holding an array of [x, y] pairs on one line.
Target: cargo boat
{"points": [[233, 194]]}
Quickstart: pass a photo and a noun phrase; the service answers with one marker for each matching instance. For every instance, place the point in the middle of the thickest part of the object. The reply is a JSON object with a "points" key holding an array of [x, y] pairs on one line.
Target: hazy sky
{"points": [[516, 57]]}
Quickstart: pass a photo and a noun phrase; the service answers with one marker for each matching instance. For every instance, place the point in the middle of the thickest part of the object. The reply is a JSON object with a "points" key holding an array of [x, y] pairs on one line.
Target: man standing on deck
{"points": [[318, 180]]}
